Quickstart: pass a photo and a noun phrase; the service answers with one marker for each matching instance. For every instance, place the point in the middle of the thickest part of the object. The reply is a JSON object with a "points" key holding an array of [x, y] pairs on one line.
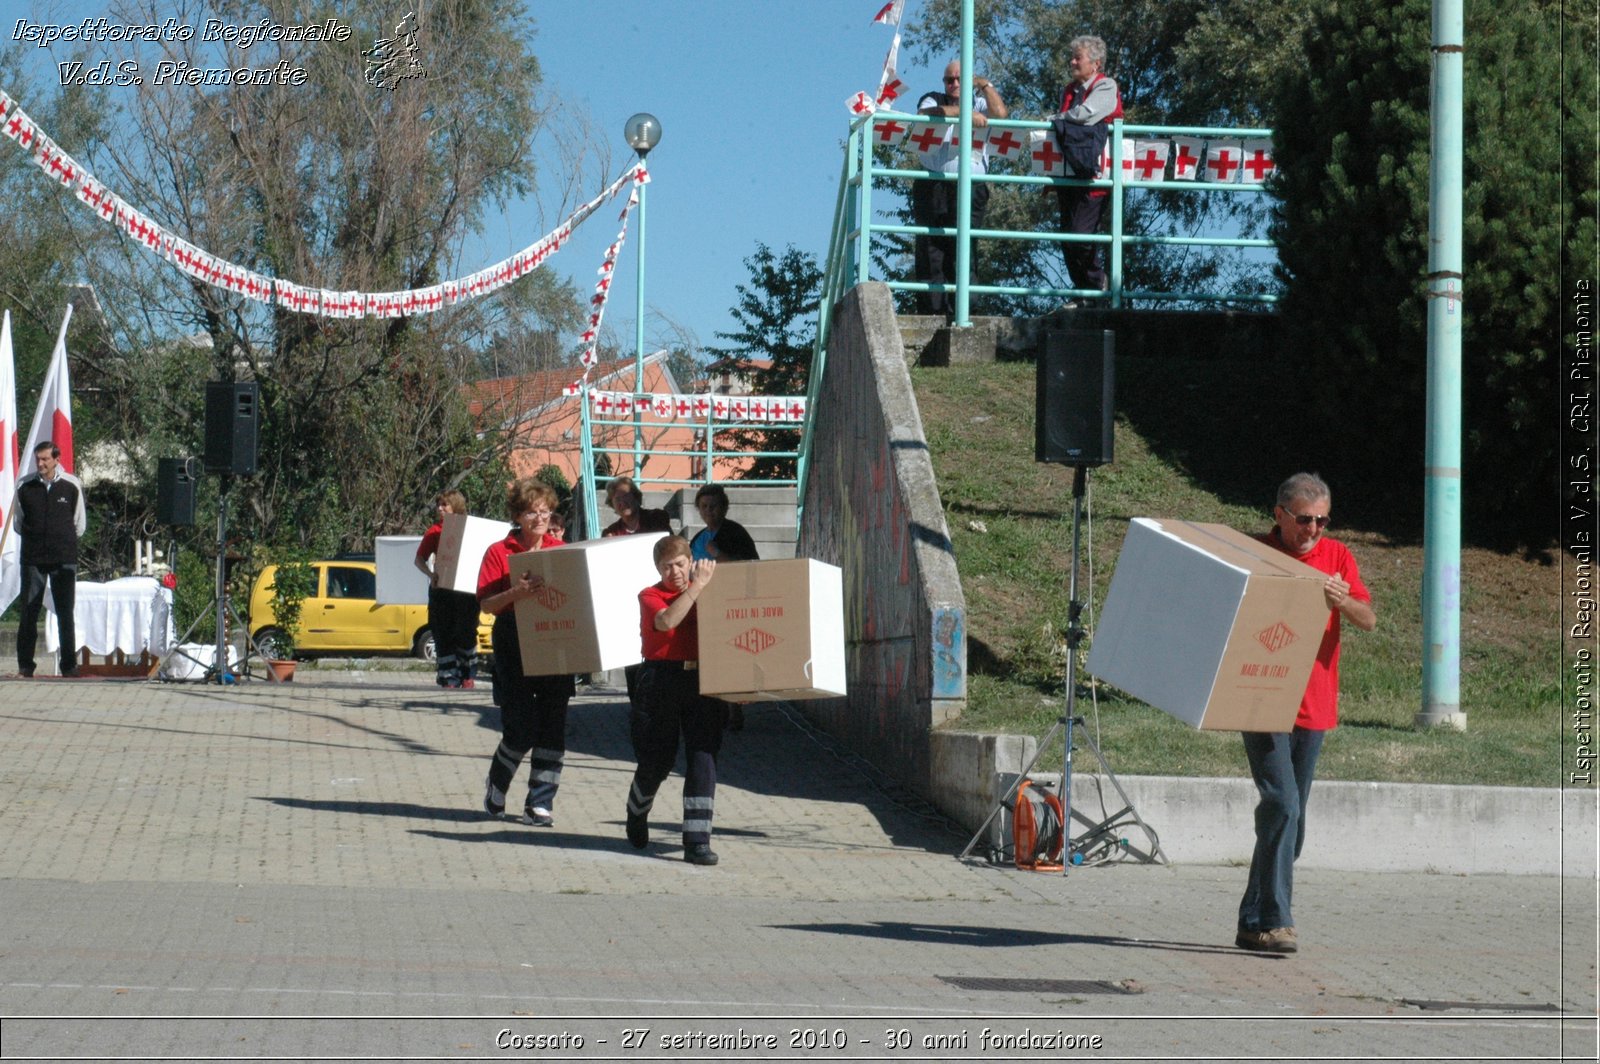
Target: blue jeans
{"points": [[1283, 766]]}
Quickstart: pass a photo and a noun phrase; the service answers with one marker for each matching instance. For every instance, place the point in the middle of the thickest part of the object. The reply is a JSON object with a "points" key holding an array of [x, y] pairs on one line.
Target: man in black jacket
{"points": [[50, 518]]}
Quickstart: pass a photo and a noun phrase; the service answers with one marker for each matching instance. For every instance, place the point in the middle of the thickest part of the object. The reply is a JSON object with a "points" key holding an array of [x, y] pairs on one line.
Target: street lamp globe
{"points": [[642, 132]]}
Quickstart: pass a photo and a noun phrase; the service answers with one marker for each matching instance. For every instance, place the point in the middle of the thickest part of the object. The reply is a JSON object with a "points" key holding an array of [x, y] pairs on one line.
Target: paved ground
{"points": [[296, 871]]}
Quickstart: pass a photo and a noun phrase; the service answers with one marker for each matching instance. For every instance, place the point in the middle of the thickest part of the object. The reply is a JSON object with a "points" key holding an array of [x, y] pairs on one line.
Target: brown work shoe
{"points": [[1277, 940]]}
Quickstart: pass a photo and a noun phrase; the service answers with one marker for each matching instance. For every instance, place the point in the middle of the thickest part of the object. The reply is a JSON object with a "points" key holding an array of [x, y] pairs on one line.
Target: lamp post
{"points": [[642, 132]]}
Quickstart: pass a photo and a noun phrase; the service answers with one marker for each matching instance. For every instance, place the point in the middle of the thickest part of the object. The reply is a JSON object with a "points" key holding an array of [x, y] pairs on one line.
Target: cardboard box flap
{"points": [[1232, 547]]}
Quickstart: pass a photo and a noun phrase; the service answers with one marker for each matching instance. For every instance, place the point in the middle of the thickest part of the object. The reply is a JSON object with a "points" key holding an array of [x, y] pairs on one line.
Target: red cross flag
{"points": [[19, 127], [661, 406], [794, 408], [860, 104], [1222, 161], [889, 14], [719, 407], [1256, 165], [702, 406], [624, 407], [1005, 143], [1044, 158], [924, 138], [739, 408], [682, 406], [1127, 158], [1150, 159], [890, 92], [757, 408], [573, 389], [890, 131], [1186, 156]]}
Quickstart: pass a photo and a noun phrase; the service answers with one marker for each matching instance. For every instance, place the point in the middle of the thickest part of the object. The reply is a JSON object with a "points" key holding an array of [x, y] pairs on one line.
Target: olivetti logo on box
{"points": [[754, 641], [1276, 638], [550, 598]]}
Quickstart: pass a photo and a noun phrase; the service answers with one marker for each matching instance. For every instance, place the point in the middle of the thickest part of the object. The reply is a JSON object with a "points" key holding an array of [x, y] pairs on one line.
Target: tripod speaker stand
{"points": [[1097, 839]]}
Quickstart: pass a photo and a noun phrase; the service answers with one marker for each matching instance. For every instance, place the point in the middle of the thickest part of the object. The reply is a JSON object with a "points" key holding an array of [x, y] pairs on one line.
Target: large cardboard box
{"points": [[586, 616], [462, 543], [772, 630], [1210, 625], [400, 582]]}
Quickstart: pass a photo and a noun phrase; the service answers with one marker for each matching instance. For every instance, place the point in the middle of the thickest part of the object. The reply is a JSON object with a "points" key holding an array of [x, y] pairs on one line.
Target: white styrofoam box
{"points": [[400, 582]]}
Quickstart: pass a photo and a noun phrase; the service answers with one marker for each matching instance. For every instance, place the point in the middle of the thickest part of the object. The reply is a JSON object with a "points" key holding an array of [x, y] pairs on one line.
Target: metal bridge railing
{"points": [[850, 241]]}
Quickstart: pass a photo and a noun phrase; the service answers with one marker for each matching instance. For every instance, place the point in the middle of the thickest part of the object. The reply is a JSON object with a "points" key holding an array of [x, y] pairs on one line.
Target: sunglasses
{"points": [[1321, 520]]}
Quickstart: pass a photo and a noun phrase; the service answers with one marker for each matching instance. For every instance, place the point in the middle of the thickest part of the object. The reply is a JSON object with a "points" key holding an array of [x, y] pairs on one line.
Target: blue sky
{"points": [[751, 96]]}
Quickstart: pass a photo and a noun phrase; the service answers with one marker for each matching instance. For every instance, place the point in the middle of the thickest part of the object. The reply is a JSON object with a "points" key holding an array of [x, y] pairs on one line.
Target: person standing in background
{"points": [[452, 615], [50, 520]]}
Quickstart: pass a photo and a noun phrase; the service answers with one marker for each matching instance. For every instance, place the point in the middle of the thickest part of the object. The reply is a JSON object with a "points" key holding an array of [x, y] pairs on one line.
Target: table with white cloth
{"points": [[132, 615]]}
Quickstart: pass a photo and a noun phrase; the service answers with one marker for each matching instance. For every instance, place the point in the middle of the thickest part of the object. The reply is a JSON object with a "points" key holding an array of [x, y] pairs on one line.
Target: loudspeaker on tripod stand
{"points": [[175, 485], [1074, 408], [232, 413]]}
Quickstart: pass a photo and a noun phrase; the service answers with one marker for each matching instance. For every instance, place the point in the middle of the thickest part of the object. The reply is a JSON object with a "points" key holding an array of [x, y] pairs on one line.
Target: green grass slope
{"points": [[1198, 440]]}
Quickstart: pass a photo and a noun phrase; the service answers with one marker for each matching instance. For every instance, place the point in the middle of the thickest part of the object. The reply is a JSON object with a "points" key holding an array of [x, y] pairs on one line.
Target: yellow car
{"points": [[342, 615]]}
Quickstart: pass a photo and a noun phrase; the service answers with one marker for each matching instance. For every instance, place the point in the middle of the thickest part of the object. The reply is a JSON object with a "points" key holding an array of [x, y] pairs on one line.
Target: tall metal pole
{"points": [[1441, 536], [642, 132], [638, 344], [220, 662], [964, 174]]}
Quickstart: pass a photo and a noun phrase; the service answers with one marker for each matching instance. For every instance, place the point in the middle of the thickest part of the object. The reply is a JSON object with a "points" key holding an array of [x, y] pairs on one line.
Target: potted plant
{"points": [[293, 581]]}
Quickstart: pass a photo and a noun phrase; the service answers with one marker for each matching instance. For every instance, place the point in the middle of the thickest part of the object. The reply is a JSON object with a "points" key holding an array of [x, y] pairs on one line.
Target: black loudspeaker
{"points": [[232, 413], [175, 484], [1073, 403]]}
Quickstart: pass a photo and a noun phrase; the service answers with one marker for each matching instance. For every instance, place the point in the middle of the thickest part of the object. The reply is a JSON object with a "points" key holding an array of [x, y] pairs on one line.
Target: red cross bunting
{"points": [[1005, 143], [702, 406], [1047, 156], [928, 137], [740, 409], [682, 407], [891, 91], [604, 403], [1149, 164], [1185, 162], [20, 131], [888, 130], [1222, 163], [859, 104], [1259, 165], [797, 409], [758, 410]]}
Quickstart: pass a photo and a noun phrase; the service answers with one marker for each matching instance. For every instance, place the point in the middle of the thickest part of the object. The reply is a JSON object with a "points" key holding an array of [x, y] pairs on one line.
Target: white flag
{"points": [[52, 418], [10, 456]]}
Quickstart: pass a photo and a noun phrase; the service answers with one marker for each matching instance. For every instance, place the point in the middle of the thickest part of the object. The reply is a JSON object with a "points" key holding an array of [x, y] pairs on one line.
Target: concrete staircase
{"points": [[767, 513]]}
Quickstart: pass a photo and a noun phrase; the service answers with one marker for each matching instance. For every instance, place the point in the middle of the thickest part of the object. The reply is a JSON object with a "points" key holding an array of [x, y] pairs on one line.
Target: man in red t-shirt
{"points": [[669, 703], [1283, 764]]}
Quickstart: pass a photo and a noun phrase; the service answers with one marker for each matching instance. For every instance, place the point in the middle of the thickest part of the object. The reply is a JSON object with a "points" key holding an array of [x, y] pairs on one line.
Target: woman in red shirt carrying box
{"points": [[533, 709], [669, 703]]}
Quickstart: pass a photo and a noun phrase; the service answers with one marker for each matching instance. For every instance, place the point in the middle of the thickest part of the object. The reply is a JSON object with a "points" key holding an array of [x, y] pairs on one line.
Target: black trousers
{"points": [[63, 581], [669, 705], [1081, 213], [933, 203], [453, 619], [533, 719]]}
